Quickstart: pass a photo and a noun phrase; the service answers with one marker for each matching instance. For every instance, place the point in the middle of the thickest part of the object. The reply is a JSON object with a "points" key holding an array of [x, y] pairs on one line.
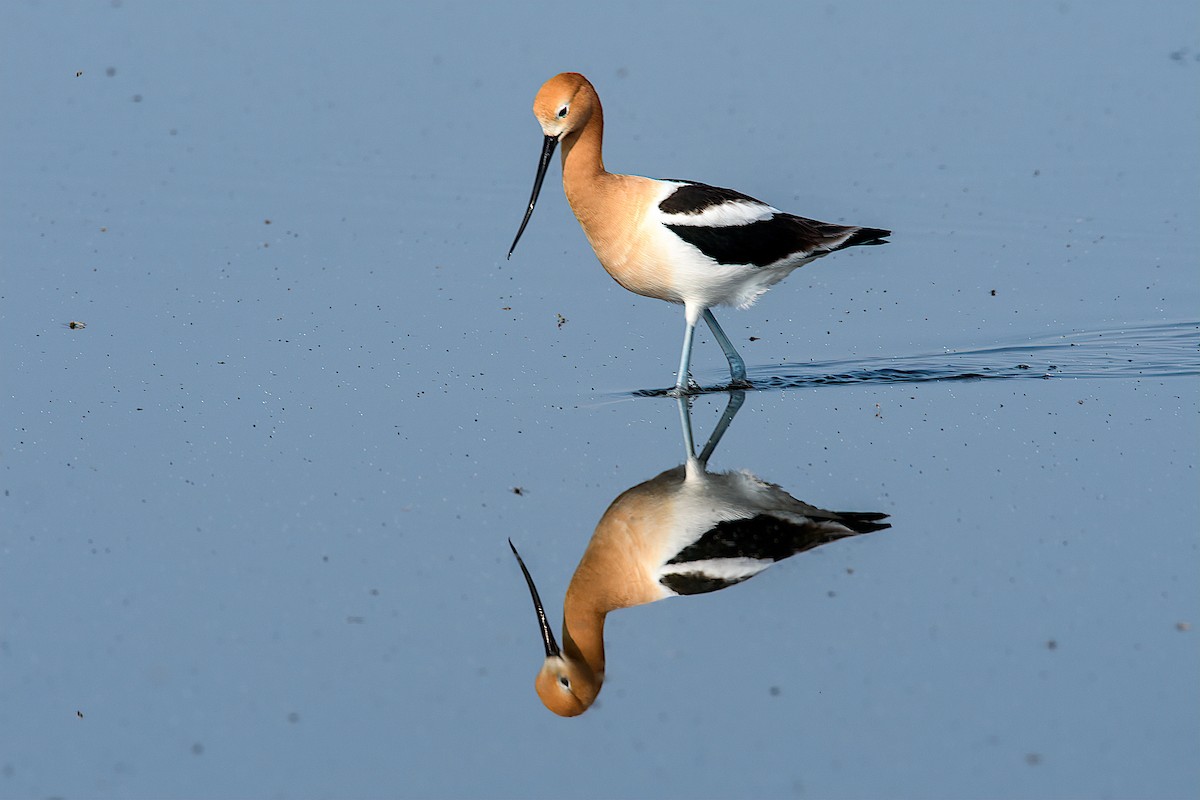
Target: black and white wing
{"points": [[732, 228]]}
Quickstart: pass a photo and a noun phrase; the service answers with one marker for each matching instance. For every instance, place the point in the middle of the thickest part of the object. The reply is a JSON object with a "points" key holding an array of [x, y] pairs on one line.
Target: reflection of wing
{"points": [[741, 525]]}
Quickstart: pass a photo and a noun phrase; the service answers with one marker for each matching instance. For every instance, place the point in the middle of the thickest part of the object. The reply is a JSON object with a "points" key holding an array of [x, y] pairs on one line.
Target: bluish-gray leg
{"points": [[685, 359], [737, 367]]}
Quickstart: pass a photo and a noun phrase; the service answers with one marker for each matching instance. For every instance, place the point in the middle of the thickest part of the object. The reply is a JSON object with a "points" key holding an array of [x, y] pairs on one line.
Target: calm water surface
{"points": [[254, 515]]}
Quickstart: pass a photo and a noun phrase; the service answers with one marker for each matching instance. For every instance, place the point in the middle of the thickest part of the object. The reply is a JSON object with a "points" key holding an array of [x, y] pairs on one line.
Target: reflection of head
{"points": [[567, 686]]}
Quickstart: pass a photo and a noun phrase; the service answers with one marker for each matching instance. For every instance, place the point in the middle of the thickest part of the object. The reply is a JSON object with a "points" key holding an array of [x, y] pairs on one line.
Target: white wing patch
{"points": [[723, 569]]}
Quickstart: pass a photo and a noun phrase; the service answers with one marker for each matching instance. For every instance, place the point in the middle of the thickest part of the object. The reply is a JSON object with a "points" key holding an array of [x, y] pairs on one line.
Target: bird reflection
{"points": [[686, 531]]}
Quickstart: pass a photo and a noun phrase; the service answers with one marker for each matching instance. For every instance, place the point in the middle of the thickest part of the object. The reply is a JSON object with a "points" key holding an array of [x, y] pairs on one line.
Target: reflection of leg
{"points": [[737, 367], [731, 409], [685, 419], [685, 359]]}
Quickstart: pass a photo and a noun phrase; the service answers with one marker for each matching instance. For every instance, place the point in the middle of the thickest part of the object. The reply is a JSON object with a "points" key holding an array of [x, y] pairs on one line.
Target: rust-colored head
{"points": [[563, 106]]}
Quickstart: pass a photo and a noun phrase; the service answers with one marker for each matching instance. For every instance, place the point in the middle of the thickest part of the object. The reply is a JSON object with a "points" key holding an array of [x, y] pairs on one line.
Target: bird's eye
{"points": [[564, 681], [562, 112]]}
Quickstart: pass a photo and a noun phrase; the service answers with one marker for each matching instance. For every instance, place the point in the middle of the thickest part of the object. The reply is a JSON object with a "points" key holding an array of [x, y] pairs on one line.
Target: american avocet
{"points": [[679, 241], [687, 531]]}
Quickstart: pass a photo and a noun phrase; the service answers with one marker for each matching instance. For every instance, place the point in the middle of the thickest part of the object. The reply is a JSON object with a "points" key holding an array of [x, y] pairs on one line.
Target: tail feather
{"points": [[862, 521], [866, 236]]}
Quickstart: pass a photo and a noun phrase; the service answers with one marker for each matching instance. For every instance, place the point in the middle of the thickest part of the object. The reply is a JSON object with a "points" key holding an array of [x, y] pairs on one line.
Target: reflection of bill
{"points": [[686, 531]]}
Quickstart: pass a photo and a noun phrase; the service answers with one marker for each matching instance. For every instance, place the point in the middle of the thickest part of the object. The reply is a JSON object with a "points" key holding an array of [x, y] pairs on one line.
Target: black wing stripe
{"points": [[695, 198]]}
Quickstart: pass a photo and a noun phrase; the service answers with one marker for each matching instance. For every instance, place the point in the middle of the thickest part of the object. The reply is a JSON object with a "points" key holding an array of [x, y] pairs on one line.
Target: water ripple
{"points": [[1168, 350]]}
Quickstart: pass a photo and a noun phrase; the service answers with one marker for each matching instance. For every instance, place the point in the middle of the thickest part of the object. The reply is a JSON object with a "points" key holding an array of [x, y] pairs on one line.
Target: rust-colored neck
{"points": [[581, 156]]}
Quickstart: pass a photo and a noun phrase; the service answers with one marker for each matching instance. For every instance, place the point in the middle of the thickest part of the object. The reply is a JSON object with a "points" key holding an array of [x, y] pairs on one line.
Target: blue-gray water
{"points": [[254, 515]]}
